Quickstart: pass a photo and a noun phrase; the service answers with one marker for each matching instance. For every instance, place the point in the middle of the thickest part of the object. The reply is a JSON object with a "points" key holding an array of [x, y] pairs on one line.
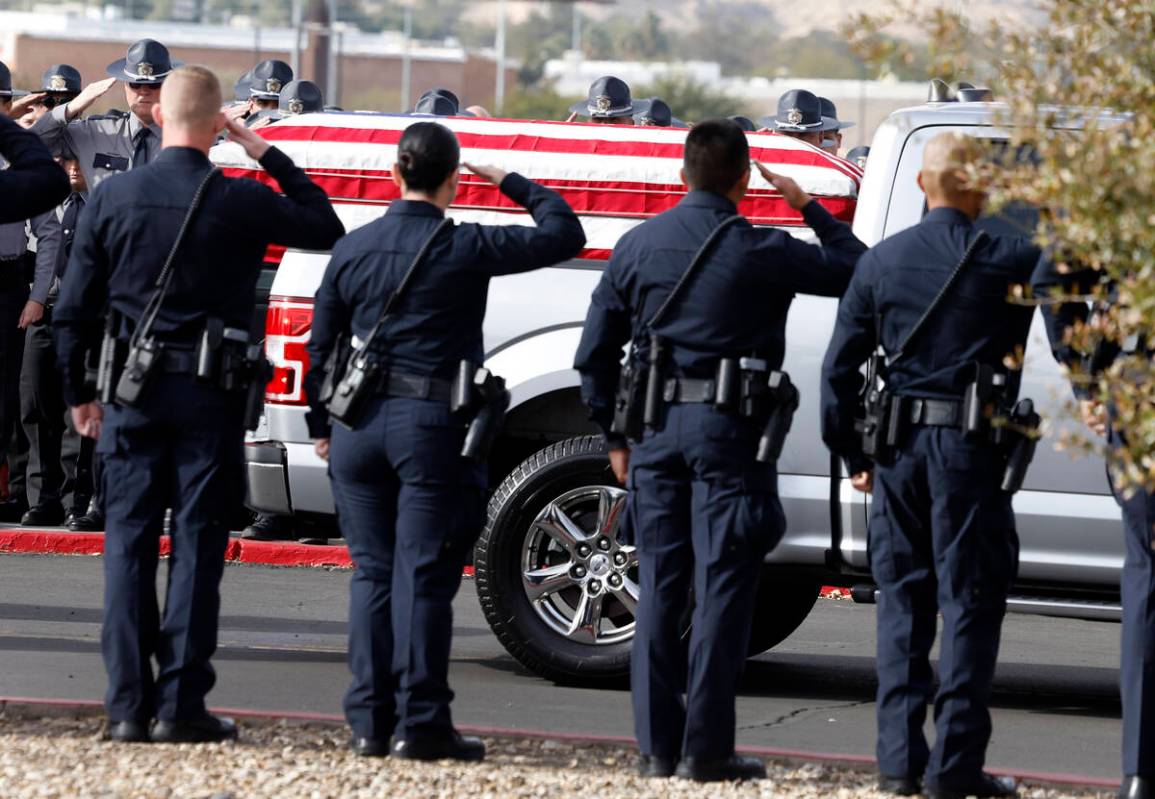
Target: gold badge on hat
{"points": [[296, 107], [602, 104], [794, 117], [273, 86], [144, 69], [57, 83]]}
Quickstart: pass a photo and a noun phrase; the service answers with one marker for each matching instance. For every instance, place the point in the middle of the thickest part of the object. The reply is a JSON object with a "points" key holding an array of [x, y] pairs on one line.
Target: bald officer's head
{"points": [[190, 108], [943, 176]]}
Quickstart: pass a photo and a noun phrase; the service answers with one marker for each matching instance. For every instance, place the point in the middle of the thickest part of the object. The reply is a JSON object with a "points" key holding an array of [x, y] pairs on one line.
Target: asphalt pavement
{"points": [[1056, 706]]}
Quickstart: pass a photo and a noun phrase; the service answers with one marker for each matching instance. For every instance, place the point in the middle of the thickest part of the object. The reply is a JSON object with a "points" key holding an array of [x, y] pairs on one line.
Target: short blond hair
{"points": [[190, 98]]}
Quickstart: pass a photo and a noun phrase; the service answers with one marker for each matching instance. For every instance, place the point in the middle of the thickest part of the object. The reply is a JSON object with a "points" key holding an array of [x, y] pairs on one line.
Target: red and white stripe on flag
{"points": [[614, 177]]}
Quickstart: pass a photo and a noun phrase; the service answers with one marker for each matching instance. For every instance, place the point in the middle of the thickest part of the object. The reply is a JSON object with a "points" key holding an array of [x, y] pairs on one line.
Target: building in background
{"points": [[369, 67]]}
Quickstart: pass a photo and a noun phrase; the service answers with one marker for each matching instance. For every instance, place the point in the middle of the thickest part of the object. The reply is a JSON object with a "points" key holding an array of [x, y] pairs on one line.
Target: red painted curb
{"points": [[88, 706], [267, 553]]}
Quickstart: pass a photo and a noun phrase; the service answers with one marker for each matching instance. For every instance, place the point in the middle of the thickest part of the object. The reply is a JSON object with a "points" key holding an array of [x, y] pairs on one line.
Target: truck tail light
{"points": [[287, 327]]}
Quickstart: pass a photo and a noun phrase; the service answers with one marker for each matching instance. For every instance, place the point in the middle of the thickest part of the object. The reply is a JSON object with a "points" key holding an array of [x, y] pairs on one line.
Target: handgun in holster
{"points": [[982, 400], [110, 360], [1019, 443], [480, 393], [655, 381], [783, 398], [628, 400], [874, 419]]}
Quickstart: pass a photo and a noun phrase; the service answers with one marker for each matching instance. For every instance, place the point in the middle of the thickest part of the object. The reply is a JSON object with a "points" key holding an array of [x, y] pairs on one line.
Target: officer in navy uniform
{"points": [[113, 143], [799, 116], [702, 509], [30, 181], [1137, 585], [610, 103], [410, 506], [942, 532], [179, 447]]}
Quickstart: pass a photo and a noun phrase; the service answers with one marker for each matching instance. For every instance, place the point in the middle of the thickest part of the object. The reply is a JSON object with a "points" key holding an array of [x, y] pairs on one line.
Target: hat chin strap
{"points": [[154, 77]]}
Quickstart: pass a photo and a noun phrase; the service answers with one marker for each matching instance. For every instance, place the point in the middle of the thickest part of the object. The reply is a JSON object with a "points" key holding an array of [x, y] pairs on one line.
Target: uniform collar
{"points": [[134, 125], [182, 155], [947, 216], [708, 199], [415, 208]]}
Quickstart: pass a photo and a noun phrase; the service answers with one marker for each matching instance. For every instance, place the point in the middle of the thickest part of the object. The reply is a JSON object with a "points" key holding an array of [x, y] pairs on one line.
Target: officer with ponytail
{"points": [[397, 359]]}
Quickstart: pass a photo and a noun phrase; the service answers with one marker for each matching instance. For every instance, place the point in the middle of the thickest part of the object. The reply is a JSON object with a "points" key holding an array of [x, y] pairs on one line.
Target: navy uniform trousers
{"points": [[1137, 667], [704, 514], [410, 508], [942, 539], [182, 450]]}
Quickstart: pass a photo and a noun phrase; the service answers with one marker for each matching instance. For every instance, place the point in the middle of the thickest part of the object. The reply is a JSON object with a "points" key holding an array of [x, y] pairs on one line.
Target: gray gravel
{"points": [[63, 757]]}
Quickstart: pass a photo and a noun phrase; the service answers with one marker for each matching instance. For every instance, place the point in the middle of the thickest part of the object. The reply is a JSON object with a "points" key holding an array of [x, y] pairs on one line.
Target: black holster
{"points": [[783, 400], [874, 418], [628, 408], [655, 382], [479, 392], [334, 368], [1020, 438]]}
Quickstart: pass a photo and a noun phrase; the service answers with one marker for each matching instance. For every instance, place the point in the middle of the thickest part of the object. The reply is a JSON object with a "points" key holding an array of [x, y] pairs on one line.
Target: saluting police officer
{"points": [[703, 507], [410, 506], [172, 437], [61, 84], [942, 532], [110, 144]]}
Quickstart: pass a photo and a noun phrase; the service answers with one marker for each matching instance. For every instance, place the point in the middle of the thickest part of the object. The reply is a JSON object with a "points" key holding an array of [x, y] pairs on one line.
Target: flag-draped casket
{"points": [[614, 177]]}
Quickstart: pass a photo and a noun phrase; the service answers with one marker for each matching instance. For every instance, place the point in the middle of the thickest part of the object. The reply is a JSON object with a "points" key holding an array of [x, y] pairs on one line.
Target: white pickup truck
{"points": [[555, 504]]}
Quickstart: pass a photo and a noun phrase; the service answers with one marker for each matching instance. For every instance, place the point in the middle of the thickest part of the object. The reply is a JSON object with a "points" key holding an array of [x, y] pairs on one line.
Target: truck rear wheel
{"points": [[557, 586]]}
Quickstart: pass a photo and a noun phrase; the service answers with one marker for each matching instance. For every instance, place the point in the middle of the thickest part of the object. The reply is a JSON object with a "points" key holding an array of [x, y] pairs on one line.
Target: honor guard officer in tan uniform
{"points": [[610, 103], [117, 142], [800, 117], [61, 84]]}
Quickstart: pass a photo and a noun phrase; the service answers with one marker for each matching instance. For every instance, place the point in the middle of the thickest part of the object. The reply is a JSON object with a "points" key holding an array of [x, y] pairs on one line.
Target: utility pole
{"points": [[499, 92], [407, 60]]}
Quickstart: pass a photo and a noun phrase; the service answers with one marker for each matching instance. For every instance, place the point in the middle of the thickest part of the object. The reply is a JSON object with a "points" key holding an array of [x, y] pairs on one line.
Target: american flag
{"points": [[613, 177]]}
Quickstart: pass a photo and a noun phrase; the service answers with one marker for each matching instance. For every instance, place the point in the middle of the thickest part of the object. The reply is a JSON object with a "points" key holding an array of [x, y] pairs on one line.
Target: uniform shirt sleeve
{"points": [[49, 239], [855, 338], [822, 269], [33, 183], [558, 236], [1059, 317], [53, 130], [332, 316], [76, 322], [303, 217], [599, 355]]}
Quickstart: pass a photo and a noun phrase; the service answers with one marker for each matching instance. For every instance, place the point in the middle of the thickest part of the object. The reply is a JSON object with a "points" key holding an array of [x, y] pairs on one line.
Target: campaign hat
{"points": [[799, 111], [6, 89], [268, 78], [831, 112], [61, 79], [147, 61], [609, 97]]}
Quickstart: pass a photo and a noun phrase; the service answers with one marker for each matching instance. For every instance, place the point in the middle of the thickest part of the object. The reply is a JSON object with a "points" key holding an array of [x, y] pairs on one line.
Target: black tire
{"points": [[546, 475], [783, 602]]}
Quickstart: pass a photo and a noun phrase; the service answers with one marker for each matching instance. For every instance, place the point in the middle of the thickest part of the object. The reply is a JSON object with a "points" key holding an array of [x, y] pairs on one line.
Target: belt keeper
{"points": [[670, 390]]}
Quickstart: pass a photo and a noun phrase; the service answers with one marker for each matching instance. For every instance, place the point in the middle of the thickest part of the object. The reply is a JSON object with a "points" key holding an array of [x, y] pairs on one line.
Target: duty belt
{"points": [[934, 412], [689, 390], [409, 386]]}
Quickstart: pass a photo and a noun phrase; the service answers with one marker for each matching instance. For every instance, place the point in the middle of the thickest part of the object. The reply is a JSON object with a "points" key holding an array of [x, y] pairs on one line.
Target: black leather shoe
{"points": [[266, 527], [13, 509], [91, 522], [1136, 787], [655, 766], [734, 767], [127, 732], [43, 516], [369, 747], [454, 746], [900, 786], [208, 729], [985, 786]]}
